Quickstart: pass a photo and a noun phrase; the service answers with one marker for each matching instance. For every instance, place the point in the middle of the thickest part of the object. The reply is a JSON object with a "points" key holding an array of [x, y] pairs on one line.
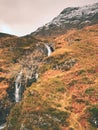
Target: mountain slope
{"points": [[69, 18], [56, 76], [4, 35], [16, 54], [66, 94]]}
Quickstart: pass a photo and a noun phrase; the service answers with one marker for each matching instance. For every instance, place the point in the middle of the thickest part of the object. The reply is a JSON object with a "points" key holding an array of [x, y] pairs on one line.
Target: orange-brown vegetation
{"points": [[65, 97]]}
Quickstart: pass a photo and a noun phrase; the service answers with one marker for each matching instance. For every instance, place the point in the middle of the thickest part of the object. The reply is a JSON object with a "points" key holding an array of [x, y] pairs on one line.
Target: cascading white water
{"points": [[2, 126], [48, 49], [18, 87], [19, 79], [36, 76]]}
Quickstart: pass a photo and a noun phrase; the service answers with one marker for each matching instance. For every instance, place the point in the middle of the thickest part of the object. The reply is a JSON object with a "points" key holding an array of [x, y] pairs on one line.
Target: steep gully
{"points": [[18, 87], [48, 49], [18, 83]]}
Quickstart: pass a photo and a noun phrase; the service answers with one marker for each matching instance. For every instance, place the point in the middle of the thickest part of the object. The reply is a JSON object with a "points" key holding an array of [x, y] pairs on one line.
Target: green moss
{"points": [[58, 105], [93, 117], [89, 90], [94, 111], [61, 89], [91, 71], [13, 119], [46, 117], [44, 68], [86, 80], [80, 101], [80, 72], [72, 83], [71, 128], [61, 116]]}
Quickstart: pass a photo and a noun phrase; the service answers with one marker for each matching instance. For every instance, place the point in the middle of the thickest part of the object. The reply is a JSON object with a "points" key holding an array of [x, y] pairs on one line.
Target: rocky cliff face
{"points": [[69, 18]]}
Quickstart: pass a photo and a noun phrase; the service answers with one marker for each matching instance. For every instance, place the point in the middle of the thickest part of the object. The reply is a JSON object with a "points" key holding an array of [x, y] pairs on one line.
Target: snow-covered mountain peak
{"points": [[71, 17]]}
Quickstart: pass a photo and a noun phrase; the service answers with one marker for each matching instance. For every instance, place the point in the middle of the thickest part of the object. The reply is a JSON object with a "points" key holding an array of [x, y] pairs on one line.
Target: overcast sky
{"points": [[21, 17]]}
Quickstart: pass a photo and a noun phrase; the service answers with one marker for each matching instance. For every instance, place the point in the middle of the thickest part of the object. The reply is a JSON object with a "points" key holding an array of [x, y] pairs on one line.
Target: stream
{"points": [[18, 83], [2, 126], [48, 49], [18, 87]]}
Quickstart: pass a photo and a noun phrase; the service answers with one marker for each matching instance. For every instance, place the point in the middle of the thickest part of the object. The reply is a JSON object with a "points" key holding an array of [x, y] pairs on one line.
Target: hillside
{"points": [[49, 79], [16, 54], [65, 95]]}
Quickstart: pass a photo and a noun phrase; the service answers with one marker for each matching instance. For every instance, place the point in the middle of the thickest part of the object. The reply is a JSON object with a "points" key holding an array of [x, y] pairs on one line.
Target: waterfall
{"points": [[36, 76], [48, 49], [18, 82], [2, 126], [18, 87]]}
